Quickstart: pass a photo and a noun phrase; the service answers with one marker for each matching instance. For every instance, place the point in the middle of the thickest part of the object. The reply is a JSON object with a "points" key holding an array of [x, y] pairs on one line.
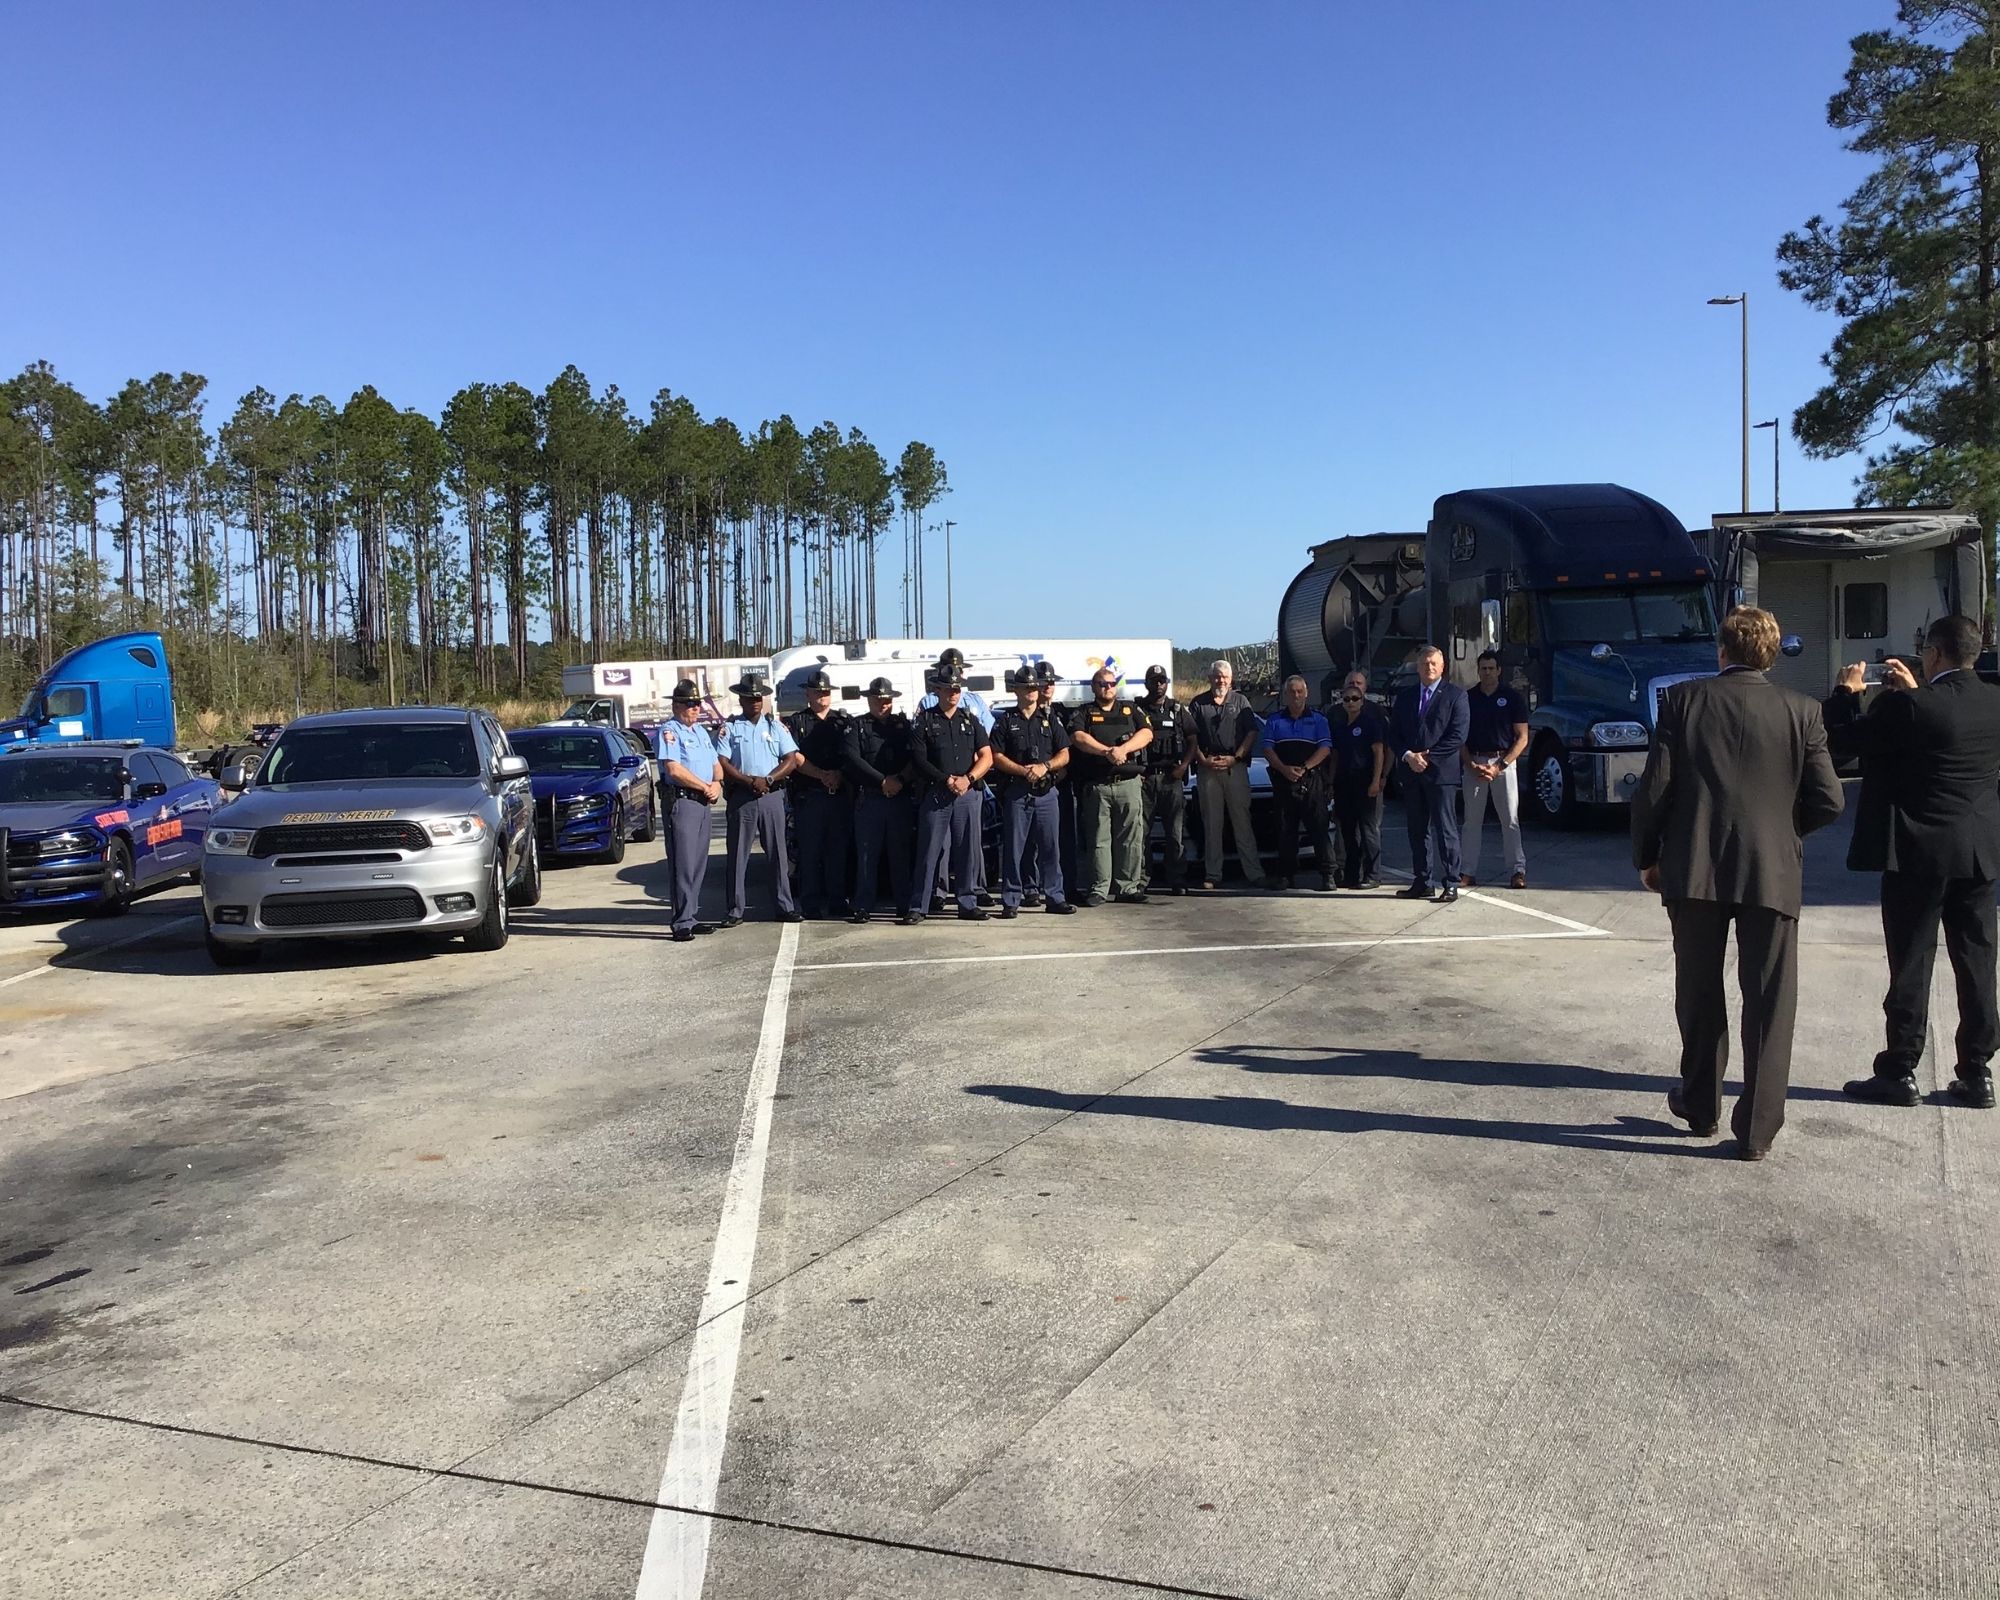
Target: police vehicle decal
{"points": [[338, 816]]}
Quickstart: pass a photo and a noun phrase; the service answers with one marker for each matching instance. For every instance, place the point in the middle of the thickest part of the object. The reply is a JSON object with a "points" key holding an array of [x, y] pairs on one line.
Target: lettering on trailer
{"points": [[617, 677], [161, 832], [338, 816]]}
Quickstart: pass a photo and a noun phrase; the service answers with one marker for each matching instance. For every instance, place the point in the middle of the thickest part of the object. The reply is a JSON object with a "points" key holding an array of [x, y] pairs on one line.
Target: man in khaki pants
{"points": [[1225, 729]]}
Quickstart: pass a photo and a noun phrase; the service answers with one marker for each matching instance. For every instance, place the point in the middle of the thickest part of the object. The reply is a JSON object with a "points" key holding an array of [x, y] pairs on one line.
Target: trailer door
{"points": [[1800, 595]]}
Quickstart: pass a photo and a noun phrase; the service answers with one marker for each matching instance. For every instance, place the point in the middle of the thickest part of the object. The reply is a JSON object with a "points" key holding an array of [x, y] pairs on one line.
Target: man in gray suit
{"points": [[1737, 777]]}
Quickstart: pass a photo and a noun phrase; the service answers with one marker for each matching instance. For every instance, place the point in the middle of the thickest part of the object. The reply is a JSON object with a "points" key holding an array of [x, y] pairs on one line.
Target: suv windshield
{"points": [[371, 750], [1630, 616], [46, 780], [561, 752]]}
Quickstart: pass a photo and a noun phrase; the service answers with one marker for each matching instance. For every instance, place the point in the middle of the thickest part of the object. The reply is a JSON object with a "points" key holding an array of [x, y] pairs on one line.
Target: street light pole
{"points": [[1742, 300], [1776, 504], [950, 630]]}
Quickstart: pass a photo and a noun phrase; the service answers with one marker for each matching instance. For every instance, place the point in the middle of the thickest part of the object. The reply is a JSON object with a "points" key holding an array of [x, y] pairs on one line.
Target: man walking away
{"points": [[1298, 747], [1225, 729], [1496, 738], [1108, 739], [876, 757], [691, 782], [758, 754], [1164, 782], [1737, 777], [1428, 733], [1929, 822]]}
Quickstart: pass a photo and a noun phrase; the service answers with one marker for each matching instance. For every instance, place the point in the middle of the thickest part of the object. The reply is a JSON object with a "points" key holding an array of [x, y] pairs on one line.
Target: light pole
{"points": [[1776, 505], [950, 631], [1742, 300]]}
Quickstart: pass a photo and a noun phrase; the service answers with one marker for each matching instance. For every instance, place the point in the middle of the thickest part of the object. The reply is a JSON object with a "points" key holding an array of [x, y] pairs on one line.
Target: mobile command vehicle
{"points": [[417, 818], [639, 694], [593, 789], [93, 825], [855, 663], [1595, 597], [115, 688]]}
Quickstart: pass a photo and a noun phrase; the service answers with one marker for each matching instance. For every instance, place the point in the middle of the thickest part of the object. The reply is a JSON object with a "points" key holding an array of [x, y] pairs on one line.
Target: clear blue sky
{"points": [[1174, 289]]}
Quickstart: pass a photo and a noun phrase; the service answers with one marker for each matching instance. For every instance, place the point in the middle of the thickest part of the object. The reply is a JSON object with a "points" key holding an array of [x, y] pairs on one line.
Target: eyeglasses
{"points": [[1105, 683], [1350, 699]]}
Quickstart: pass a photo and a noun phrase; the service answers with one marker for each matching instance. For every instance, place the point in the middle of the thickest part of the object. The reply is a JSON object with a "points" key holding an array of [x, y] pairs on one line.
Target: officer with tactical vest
{"points": [[953, 753], [876, 757], [1164, 782], [1030, 750], [822, 804], [691, 782], [1108, 740]]}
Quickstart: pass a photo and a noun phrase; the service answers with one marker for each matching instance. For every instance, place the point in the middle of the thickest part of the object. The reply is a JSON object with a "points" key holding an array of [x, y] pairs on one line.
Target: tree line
{"points": [[304, 552]]}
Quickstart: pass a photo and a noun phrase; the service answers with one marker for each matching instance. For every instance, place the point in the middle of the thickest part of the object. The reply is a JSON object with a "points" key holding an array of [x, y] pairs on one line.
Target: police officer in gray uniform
{"points": [[691, 782], [953, 753], [758, 754], [876, 756], [1030, 749]]}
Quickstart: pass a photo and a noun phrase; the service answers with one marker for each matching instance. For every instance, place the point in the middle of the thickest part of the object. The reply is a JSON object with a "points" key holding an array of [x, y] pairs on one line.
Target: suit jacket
{"points": [[1930, 777], [1439, 732], [1737, 777]]}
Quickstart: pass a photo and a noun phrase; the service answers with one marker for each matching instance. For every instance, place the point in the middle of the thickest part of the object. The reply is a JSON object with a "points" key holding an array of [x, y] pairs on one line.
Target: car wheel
{"points": [[1551, 788], [528, 892], [652, 831], [118, 892], [491, 934], [615, 851], [225, 954]]}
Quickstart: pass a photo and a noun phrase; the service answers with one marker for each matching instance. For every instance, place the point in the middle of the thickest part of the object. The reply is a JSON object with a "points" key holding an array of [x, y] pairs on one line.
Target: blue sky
{"points": [[1174, 289]]}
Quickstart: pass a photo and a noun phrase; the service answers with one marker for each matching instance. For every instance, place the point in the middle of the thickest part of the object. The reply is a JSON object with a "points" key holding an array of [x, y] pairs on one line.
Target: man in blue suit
{"points": [[1427, 732]]}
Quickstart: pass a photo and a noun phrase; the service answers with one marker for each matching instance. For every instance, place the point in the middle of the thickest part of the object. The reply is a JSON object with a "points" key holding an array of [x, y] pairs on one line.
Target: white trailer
{"points": [[633, 693], [852, 663]]}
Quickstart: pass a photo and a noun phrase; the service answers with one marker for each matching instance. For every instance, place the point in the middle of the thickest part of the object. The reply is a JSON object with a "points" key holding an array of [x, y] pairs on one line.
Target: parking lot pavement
{"points": [[1233, 1245]]}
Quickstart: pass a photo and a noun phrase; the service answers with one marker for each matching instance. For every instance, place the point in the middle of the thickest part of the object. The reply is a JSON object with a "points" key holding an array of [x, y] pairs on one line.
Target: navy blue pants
{"points": [[687, 850], [1432, 817], [1030, 844], [1066, 828], [948, 841], [821, 825], [884, 830], [758, 819]]}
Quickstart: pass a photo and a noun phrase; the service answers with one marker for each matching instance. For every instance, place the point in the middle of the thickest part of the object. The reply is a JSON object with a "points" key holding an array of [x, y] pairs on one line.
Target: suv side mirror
{"points": [[1601, 652], [232, 779], [510, 767], [148, 791], [1791, 645]]}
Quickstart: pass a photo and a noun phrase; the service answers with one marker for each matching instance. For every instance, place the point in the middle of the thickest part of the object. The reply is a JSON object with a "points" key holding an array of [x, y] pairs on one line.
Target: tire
{"points": [[652, 820], [615, 851], [118, 898], [1551, 791], [224, 954], [528, 892], [491, 934]]}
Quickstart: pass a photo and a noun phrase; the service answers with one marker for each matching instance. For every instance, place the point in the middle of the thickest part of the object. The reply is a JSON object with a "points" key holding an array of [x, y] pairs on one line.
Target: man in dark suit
{"points": [[1738, 775], [1428, 731], [1929, 822]]}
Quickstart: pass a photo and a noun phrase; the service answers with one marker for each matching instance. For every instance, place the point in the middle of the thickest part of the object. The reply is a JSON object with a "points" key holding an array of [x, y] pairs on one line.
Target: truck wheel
{"points": [[652, 821], [224, 954], [118, 873], [615, 851], [491, 934], [1551, 789], [528, 892]]}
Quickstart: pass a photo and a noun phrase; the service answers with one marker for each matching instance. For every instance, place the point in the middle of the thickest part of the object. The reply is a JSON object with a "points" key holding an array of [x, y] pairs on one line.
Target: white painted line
{"points": [[1578, 932], [677, 1541], [1510, 905], [58, 962]]}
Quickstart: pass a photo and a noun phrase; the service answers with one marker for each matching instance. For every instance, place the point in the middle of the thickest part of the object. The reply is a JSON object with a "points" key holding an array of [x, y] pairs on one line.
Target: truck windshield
{"points": [[48, 780], [1676, 615], [374, 750], [590, 711], [562, 752]]}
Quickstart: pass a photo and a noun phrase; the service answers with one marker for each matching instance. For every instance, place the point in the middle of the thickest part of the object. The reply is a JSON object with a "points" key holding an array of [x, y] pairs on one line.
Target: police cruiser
{"points": [[416, 818]]}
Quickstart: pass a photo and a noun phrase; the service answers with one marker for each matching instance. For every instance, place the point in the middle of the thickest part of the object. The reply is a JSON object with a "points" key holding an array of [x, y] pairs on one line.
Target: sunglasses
{"points": [[1351, 699]]}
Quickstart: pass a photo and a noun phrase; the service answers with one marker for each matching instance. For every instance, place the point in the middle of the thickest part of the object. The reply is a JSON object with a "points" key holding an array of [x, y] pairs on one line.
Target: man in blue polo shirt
{"points": [[1298, 745]]}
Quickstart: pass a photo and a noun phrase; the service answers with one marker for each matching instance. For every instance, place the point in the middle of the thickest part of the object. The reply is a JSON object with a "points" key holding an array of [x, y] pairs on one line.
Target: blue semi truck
{"points": [[113, 689]]}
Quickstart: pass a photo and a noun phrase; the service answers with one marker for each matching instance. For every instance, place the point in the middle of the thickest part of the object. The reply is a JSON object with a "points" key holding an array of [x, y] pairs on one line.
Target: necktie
{"points": [[1424, 700]]}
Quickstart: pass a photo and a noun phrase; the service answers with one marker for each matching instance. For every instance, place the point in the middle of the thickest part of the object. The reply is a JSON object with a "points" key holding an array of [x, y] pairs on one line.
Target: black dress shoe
{"points": [[1677, 1109], [909, 919], [1416, 891], [1008, 913], [1880, 1091], [1177, 889], [1751, 1152], [731, 922], [1369, 883], [1973, 1089], [1136, 898], [1278, 885], [1032, 899], [683, 936], [973, 914], [790, 916], [704, 927], [1445, 896], [984, 901], [1327, 886], [1093, 901], [1060, 908], [858, 918]]}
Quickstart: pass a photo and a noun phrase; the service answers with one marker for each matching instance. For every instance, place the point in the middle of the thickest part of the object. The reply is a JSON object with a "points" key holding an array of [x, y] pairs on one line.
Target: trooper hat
{"points": [[1022, 677], [1158, 674], [883, 689], [1045, 671], [951, 656], [817, 680], [687, 693], [945, 675], [753, 682]]}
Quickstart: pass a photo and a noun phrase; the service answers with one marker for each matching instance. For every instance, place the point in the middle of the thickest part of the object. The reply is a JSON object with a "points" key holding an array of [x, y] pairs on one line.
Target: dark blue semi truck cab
{"points": [[1597, 601], [116, 688]]}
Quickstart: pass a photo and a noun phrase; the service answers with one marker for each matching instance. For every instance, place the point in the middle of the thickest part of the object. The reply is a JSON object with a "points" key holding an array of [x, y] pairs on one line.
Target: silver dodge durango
{"points": [[415, 818]]}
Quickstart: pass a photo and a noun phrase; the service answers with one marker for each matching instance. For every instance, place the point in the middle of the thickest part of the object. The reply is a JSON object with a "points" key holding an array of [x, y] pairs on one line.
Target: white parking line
{"points": [[57, 962], [677, 1541]]}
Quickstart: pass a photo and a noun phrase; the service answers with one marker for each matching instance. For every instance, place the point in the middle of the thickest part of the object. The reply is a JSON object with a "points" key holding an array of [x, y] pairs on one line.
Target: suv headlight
{"points": [[230, 841], [456, 830], [1617, 735], [73, 842]]}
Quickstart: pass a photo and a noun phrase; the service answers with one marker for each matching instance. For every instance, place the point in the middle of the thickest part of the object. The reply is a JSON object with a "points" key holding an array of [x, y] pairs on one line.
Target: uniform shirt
{"points": [[1220, 725], [755, 745], [875, 748], [820, 740], [1293, 739], [946, 746], [1494, 717], [1027, 739], [1118, 723], [1354, 742], [968, 700], [1173, 732], [692, 747]]}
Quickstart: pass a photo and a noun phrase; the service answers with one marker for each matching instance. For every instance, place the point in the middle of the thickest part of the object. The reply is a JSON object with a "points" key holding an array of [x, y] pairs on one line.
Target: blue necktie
{"points": [[1424, 700]]}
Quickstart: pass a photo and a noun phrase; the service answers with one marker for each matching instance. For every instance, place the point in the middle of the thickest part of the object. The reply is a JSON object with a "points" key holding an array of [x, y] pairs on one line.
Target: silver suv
{"points": [[355, 822]]}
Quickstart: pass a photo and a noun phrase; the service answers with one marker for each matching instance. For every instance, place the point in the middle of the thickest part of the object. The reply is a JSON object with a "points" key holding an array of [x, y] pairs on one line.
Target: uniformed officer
{"points": [[822, 803], [691, 770], [758, 753], [1107, 740], [1164, 782], [876, 756], [971, 699], [1050, 681], [1030, 748], [952, 752]]}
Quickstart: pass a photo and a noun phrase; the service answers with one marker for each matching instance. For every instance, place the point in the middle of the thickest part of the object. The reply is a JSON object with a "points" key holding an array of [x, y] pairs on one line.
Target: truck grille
{"points": [[327, 910], [313, 838]]}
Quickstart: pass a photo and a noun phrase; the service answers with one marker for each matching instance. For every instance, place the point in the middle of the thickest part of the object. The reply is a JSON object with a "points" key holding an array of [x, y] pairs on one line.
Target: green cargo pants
{"points": [[1111, 837]]}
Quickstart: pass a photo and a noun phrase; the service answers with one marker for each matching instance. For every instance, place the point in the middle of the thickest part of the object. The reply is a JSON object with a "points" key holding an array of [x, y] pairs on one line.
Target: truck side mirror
{"points": [[232, 779], [1791, 645], [630, 763], [1601, 653]]}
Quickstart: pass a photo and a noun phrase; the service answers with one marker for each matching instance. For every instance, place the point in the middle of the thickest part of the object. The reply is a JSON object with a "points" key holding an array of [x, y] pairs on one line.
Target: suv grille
{"points": [[325, 910], [312, 838]]}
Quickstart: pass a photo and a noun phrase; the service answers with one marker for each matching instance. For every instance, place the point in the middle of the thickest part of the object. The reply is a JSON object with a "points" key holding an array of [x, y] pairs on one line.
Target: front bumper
{"points": [[1607, 777], [28, 880], [279, 901], [567, 834]]}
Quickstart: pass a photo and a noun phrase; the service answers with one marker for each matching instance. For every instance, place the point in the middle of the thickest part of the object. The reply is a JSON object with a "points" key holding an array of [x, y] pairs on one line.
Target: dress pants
{"points": [[1166, 798], [1360, 819], [1066, 830], [885, 828], [1303, 805], [1913, 909], [1110, 844], [1767, 972], [948, 841], [1432, 816], [1506, 796], [687, 834], [821, 825], [1227, 794], [1030, 845], [758, 819]]}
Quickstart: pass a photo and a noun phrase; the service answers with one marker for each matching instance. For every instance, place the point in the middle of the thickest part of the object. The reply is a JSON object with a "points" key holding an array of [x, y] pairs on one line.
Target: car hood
{"points": [[566, 785], [47, 816], [417, 800]]}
